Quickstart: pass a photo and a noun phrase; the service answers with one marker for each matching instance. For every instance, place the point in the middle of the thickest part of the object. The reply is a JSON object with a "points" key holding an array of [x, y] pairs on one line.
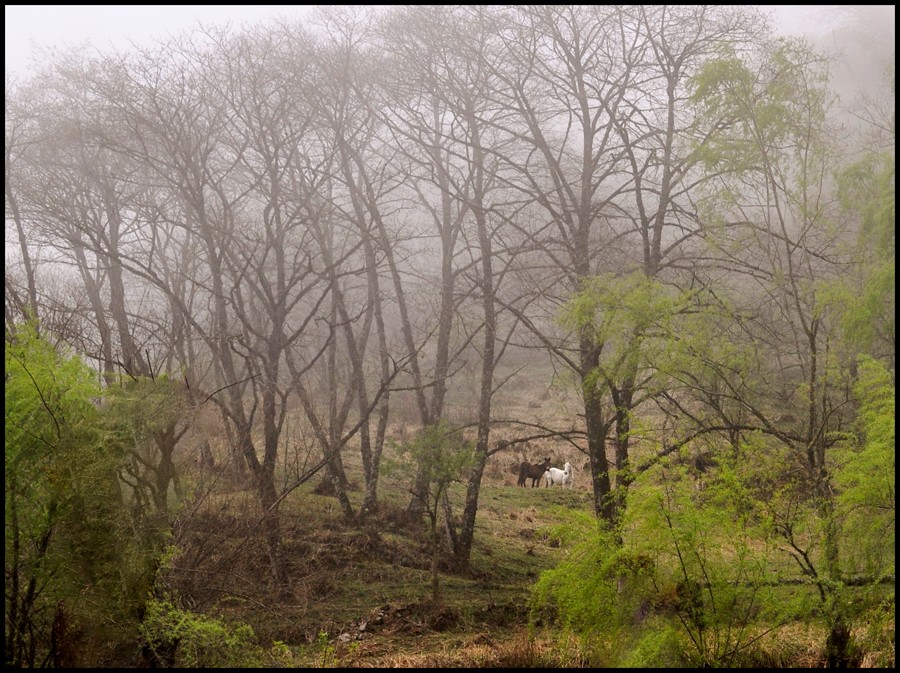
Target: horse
{"points": [[533, 472], [562, 477]]}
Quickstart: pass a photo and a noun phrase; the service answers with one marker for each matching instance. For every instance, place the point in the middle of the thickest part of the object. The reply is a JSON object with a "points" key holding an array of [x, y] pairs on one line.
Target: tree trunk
{"points": [[604, 506]]}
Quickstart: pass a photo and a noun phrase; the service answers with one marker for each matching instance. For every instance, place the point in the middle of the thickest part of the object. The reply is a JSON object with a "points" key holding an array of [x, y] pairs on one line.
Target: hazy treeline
{"points": [[346, 219]]}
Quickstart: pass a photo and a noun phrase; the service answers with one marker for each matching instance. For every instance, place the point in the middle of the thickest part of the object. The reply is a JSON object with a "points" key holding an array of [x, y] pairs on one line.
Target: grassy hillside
{"points": [[361, 596]]}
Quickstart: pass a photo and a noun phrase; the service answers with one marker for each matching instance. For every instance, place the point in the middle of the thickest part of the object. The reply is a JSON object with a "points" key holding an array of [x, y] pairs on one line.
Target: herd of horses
{"points": [[550, 475]]}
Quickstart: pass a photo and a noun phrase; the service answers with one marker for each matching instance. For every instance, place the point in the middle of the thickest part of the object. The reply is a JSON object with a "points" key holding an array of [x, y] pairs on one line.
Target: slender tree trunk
{"points": [[132, 360], [93, 293], [27, 261], [488, 363]]}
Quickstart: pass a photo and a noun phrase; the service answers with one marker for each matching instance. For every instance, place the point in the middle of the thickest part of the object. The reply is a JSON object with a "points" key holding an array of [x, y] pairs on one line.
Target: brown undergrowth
{"points": [[358, 594]]}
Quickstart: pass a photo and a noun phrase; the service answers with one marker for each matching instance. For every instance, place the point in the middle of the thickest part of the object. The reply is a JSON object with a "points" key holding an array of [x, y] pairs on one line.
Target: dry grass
{"points": [[517, 648]]}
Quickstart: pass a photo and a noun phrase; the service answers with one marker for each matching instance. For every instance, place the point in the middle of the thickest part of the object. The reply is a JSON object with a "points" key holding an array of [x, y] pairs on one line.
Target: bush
{"points": [[76, 571], [655, 647], [184, 639]]}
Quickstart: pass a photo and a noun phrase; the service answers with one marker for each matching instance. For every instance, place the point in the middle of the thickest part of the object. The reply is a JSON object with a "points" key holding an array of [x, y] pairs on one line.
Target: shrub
{"points": [[184, 639]]}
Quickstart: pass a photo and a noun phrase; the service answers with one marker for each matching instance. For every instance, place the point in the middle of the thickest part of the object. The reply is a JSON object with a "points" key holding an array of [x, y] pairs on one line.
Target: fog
{"points": [[863, 33]]}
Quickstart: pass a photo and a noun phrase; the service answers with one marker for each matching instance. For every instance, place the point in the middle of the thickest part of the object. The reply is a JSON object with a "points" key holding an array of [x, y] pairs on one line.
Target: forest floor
{"points": [[361, 595]]}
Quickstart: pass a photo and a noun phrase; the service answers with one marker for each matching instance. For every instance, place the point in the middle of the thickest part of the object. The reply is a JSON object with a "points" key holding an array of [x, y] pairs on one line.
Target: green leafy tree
{"points": [[441, 455], [780, 211], [629, 319], [867, 295], [758, 357], [866, 476], [77, 570], [61, 499], [689, 585]]}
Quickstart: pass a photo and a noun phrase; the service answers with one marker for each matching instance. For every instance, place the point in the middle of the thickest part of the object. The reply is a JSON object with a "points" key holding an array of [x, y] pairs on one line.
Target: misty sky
{"points": [[106, 27]]}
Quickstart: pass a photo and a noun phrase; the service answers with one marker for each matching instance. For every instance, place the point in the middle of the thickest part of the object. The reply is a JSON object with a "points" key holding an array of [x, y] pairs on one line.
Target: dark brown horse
{"points": [[533, 472]]}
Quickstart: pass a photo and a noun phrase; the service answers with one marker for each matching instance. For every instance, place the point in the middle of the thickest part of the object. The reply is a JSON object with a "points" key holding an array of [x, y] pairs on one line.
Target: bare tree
{"points": [[598, 94], [444, 113], [18, 129]]}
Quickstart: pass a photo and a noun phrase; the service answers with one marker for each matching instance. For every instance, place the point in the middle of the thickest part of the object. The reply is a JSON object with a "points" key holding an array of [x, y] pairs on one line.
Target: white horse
{"points": [[562, 477]]}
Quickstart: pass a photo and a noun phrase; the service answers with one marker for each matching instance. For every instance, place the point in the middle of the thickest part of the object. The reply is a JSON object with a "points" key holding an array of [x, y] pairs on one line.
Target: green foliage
{"points": [[64, 523], [581, 590], [877, 638], [144, 406], [768, 139], [616, 308], [605, 593], [184, 639], [328, 651], [724, 89], [71, 549], [712, 562], [755, 107], [865, 475], [49, 400], [328, 655], [866, 298], [867, 189], [441, 453], [706, 354], [630, 317], [657, 646], [147, 416], [690, 583]]}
